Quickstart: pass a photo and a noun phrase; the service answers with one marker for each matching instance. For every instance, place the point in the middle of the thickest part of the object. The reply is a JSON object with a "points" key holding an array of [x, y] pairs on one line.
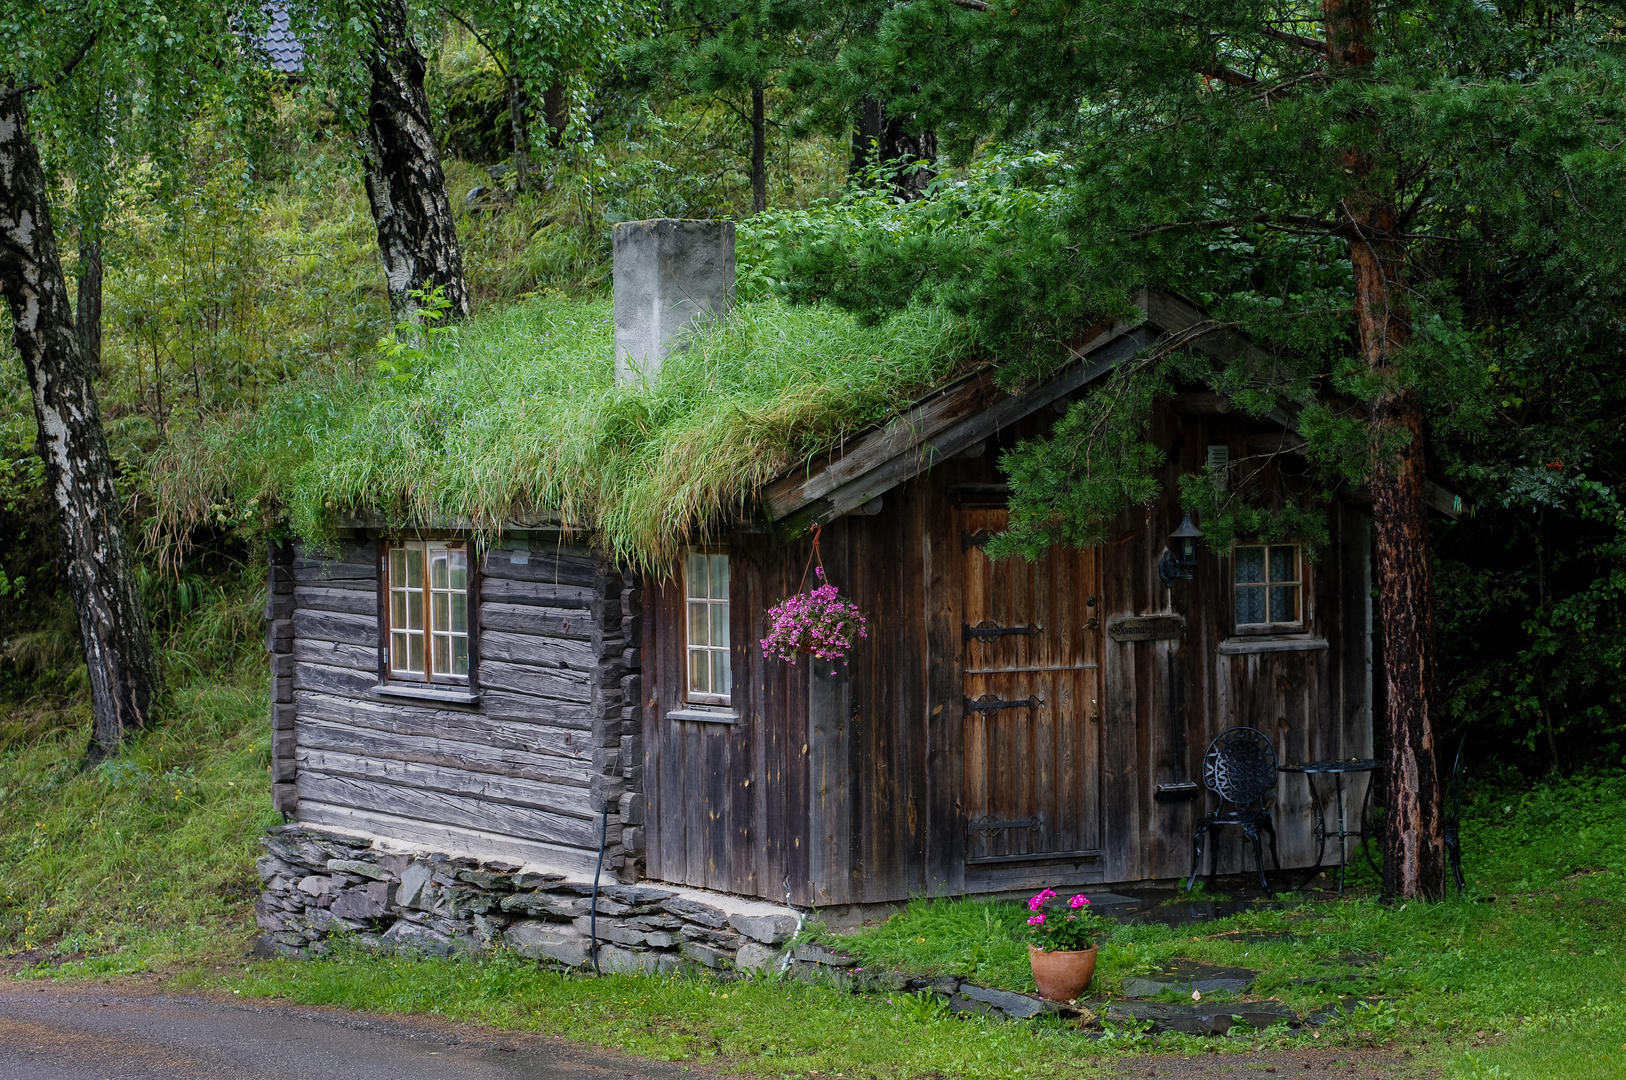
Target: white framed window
{"points": [[1269, 585], [428, 611], [710, 678]]}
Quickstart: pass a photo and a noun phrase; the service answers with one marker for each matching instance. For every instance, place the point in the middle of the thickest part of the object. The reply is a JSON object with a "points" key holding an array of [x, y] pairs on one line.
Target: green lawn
{"points": [[146, 864]]}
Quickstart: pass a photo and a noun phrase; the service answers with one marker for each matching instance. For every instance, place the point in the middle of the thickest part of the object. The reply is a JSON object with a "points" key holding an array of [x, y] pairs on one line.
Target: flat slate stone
{"points": [[1185, 976], [414, 878], [1202, 1019], [547, 941], [704, 914], [768, 929], [818, 954], [755, 957], [705, 954], [370, 901], [358, 868], [958, 1004], [1008, 1002], [618, 961], [409, 937]]}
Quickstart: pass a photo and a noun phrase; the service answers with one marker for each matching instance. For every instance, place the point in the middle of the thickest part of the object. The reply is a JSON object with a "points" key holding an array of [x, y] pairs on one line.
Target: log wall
{"points": [[523, 772]]}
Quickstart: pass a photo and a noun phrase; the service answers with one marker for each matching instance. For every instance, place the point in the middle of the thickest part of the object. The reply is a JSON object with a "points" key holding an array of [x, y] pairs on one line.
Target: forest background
{"points": [[241, 268]]}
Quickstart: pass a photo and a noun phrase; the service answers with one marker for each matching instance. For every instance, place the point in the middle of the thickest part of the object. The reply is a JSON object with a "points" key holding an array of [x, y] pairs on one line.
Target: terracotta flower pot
{"points": [[1062, 976]]}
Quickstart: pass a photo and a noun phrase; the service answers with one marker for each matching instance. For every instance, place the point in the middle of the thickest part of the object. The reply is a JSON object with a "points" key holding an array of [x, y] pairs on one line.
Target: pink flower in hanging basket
{"points": [[821, 622]]}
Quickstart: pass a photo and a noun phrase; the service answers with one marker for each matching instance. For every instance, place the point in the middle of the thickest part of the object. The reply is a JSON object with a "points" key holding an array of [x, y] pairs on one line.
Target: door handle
{"points": [[1095, 711]]}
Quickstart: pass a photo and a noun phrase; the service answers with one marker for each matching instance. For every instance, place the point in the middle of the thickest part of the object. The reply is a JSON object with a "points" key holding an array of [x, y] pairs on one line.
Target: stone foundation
{"points": [[319, 885], [322, 885]]}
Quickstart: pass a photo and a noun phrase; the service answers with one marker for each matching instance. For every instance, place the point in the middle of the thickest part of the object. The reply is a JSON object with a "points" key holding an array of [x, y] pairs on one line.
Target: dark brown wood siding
{"points": [[848, 784]]}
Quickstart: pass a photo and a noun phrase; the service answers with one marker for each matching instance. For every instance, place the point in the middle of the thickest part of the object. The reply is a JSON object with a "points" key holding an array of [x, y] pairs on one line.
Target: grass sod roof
{"points": [[518, 413]]}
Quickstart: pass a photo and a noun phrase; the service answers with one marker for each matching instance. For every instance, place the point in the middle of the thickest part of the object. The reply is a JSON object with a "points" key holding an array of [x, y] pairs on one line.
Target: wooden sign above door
{"points": [[1146, 628]]}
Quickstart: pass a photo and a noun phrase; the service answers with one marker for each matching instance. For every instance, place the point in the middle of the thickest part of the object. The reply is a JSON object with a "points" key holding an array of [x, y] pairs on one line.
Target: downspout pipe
{"points": [[592, 917]]}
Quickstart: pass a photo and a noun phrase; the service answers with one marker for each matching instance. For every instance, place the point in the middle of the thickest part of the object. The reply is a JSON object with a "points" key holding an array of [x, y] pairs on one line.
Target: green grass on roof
{"points": [[518, 412]]}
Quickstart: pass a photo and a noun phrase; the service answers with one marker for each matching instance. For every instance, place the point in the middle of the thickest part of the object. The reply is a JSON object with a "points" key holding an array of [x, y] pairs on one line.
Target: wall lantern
{"points": [[1180, 557]]}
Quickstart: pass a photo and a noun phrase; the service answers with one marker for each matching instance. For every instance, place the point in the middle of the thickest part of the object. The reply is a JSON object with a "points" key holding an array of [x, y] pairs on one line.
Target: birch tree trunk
{"points": [[417, 238], [1414, 839], [119, 654], [88, 311], [520, 131]]}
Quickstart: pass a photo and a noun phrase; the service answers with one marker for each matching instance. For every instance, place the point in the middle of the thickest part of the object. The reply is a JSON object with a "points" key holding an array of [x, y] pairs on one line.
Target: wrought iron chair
{"points": [[1452, 806], [1239, 767]]}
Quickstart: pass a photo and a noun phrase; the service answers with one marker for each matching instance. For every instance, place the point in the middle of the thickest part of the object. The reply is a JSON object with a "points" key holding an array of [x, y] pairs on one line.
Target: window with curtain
{"points": [[1269, 585]]}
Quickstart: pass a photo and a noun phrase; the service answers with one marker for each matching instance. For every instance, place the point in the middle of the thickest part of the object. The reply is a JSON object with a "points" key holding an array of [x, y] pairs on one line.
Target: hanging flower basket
{"points": [[821, 622]]}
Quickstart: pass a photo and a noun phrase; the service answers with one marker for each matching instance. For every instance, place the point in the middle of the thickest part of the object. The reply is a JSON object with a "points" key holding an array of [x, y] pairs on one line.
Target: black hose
{"points": [[592, 917]]}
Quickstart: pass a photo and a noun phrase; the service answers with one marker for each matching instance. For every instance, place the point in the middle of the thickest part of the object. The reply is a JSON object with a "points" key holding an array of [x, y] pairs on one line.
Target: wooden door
{"points": [[1030, 661]]}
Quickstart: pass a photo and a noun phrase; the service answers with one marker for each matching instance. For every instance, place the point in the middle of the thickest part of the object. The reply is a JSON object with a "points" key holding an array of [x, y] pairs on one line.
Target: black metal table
{"points": [[1338, 770]]}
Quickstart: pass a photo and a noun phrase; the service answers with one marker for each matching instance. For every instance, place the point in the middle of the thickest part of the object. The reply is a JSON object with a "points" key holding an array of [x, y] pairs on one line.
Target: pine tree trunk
{"points": [[759, 151], [522, 136], [879, 138], [416, 235], [119, 654], [1414, 839], [88, 311]]}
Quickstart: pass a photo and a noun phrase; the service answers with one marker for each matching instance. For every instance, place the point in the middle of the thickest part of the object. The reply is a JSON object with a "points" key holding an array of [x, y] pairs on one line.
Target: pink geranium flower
{"points": [[821, 622], [1037, 920], [1078, 901]]}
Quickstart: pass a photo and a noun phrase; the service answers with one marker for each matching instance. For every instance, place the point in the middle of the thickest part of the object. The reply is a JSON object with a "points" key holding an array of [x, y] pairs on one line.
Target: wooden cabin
{"points": [[1006, 724]]}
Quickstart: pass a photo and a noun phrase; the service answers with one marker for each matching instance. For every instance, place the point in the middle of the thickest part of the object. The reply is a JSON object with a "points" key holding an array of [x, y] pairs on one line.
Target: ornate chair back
{"points": [[1240, 767]]}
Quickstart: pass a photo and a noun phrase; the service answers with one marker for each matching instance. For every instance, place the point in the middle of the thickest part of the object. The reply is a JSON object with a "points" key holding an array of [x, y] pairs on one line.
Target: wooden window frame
{"points": [[428, 680], [693, 699], [1301, 625]]}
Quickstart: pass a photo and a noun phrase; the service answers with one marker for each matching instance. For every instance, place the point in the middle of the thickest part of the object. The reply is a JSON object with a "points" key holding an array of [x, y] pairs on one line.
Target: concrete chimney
{"points": [[668, 273]]}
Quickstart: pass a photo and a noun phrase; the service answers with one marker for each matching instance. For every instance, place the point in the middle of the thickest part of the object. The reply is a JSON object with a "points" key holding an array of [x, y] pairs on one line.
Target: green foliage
{"points": [[405, 355], [520, 412], [149, 855], [1528, 959], [976, 939], [1274, 517], [1068, 487]]}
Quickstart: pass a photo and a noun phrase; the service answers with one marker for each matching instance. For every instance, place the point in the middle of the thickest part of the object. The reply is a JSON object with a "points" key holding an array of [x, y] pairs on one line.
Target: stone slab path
{"points": [[92, 1032]]}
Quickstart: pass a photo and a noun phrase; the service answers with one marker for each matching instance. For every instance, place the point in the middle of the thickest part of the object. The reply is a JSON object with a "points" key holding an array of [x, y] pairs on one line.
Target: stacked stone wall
{"points": [[321, 886]]}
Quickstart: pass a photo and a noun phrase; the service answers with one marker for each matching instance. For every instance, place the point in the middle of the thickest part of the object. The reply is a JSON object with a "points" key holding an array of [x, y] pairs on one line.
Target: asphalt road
{"points": [[92, 1032]]}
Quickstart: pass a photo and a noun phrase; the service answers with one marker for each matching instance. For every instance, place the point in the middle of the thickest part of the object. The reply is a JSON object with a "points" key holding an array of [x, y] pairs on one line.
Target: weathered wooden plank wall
{"points": [[523, 773], [848, 785]]}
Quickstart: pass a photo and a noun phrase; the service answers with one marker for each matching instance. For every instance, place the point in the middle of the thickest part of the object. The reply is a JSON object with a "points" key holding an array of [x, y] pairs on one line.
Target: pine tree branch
{"points": [[1299, 223], [67, 69], [1229, 76], [1314, 44]]}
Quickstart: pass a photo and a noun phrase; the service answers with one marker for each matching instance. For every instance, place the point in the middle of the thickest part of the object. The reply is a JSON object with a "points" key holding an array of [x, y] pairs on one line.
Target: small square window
{"points": [[428, 611], [705, 591], [1269, 583]]}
